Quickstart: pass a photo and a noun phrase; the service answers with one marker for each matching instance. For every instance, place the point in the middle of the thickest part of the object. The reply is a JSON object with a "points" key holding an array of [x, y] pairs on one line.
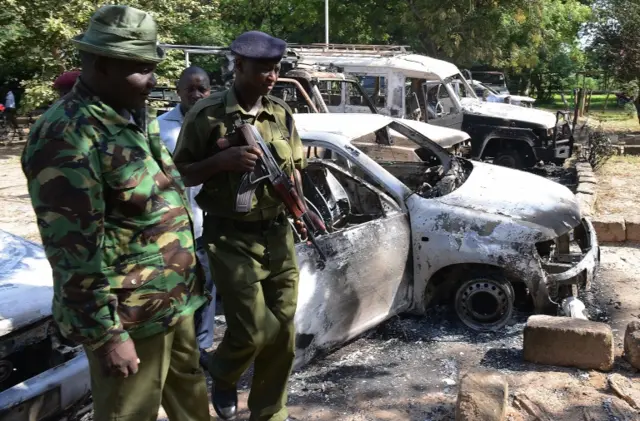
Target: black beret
{"points": [[258, 46]]}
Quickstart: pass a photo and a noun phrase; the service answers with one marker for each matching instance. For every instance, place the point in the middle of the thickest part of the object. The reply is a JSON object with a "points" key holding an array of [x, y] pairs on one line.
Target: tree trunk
{"points": [[636, 102], [606, 89]]}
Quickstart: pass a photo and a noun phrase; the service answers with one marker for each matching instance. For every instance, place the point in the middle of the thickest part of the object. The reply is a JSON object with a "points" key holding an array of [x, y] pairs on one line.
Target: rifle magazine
{"points": [[244, 196]]}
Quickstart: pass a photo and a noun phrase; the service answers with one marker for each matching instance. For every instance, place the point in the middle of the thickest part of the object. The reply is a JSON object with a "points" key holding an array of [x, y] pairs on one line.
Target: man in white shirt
{"points": [[10, 113], [193, 85]]}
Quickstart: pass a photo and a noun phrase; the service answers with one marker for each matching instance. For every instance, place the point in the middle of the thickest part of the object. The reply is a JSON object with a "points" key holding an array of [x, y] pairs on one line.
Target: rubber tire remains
{"points": [[509, 159], [485, 282]]}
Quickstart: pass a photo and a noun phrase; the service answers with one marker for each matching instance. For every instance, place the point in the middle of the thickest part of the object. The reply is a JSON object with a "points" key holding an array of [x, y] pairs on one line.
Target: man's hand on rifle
{"points": [[302, 230], [238, 158]]}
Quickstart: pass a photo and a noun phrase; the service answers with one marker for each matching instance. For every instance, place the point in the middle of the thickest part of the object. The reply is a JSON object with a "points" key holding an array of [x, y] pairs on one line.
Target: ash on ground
{"points": [[565, 176]]}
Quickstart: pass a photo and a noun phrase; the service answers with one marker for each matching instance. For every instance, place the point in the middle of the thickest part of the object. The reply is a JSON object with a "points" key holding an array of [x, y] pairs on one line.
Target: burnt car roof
{"points": [[320, 74], [24, 272]]}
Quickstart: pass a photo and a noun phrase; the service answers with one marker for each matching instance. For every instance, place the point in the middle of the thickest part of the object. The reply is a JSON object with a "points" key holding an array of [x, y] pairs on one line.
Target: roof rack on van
{"points": [[352, 50], [202, 49]]}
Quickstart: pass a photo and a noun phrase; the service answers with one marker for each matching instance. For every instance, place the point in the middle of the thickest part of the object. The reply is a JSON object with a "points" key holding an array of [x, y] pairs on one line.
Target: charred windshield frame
{"points": [[458, 78]]}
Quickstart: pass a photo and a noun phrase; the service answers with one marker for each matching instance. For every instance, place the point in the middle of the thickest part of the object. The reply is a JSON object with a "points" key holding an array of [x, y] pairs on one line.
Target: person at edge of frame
{"points": [[117, 230], [193, 85], [252, 255], [10, 111]]}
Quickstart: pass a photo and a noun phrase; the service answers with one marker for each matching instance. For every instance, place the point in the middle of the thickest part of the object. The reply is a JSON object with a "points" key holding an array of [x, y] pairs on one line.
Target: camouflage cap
{"points": [[121, 32]]}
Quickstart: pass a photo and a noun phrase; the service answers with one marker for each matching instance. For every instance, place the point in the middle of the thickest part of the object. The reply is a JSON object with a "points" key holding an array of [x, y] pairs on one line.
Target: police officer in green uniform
{"points": [[252, 255]]}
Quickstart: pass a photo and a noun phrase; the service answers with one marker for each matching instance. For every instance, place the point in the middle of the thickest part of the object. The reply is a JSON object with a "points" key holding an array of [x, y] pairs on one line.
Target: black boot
{"points": [[225, 403]]}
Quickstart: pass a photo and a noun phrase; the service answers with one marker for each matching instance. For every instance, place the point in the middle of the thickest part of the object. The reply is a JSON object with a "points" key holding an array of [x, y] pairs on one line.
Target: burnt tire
{"points": [[484, 301], [509, 159]]}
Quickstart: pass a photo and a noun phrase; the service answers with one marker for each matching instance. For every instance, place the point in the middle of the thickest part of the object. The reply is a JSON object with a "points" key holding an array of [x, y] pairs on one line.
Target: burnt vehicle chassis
{"points": [[328, 89], [518, 144]]}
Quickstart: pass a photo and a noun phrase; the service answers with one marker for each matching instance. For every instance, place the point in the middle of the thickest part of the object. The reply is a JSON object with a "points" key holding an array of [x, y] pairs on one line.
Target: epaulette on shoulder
{"points": [[280, 102], [216, 98]]}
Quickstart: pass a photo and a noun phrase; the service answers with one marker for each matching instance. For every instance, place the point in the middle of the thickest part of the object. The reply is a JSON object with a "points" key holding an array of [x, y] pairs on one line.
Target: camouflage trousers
{"points": [[255, 271], [168, 374]]}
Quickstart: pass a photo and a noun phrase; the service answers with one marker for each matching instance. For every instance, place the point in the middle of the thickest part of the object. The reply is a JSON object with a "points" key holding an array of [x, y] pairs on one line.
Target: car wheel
{"points": [[484, 301], [509, 159]]}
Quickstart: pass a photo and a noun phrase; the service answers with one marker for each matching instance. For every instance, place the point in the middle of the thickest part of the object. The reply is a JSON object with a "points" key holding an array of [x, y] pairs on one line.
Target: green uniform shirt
{"points": [[114, 221], [212, 118]]}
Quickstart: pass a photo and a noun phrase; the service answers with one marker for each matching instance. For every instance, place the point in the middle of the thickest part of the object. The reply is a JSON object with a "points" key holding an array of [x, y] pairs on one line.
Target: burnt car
{"points": [[40, 374], [403, 231]]}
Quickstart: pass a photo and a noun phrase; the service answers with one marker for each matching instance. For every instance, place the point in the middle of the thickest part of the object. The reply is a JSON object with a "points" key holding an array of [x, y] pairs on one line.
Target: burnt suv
{"points": [[414, 86]]}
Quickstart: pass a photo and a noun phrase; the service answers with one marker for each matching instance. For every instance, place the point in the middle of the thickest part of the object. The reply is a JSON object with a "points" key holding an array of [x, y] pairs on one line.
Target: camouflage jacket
{"points": [[114, 221]]}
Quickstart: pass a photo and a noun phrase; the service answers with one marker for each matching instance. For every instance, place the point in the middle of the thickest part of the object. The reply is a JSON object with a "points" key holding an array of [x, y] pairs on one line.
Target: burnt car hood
{"points": [[519, 195], [26, 284], [509, 112]]}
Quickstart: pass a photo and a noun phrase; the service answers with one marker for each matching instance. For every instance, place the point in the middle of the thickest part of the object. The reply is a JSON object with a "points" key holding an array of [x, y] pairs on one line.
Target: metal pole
{"points": [[187, 63], [326, 22]]}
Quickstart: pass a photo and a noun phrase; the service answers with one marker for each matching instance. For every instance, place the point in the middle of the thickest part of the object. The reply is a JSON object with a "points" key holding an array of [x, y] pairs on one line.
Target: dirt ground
{"points": [[409, 367], [618, 186], [16, 213]]}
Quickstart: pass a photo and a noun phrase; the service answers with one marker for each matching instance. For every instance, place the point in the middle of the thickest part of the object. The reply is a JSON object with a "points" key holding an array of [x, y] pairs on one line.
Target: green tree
{"points": [[39, 39], [615, 43]]}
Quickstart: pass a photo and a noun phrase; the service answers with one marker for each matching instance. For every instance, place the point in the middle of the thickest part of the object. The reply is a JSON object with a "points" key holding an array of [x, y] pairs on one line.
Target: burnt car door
{"points": [[443, 111], [366, 276]]}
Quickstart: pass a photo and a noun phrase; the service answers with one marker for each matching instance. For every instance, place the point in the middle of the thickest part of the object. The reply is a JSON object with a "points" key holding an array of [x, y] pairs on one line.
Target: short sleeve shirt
{"points": [[212, 118]]}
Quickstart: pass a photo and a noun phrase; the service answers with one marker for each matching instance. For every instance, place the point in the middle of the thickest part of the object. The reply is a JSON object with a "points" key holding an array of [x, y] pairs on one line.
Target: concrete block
{"points": [[589, 179], [632, 225], [580, 166], [586, 188], [568, 342], [586, 202], [610, 228], [482, 396], [632, 344], [584, 173]]}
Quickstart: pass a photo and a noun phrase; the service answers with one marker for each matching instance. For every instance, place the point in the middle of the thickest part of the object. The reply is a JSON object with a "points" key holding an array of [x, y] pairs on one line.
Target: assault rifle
{"points": [[289, 193]]}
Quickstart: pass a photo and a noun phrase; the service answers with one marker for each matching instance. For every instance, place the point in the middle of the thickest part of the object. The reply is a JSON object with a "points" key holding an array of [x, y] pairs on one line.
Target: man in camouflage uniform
{"points": [[116, 228], [252, 254]]}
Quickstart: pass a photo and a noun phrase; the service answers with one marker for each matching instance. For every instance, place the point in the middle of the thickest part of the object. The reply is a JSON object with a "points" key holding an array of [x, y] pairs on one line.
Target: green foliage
{"points": [[38, 40], [598, 149], [615, 34], [36, 93], [527, 37]]}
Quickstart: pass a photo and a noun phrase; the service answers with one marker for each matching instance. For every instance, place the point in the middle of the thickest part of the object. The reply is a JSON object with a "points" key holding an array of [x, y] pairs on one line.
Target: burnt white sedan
{"points": [[408, 222]]}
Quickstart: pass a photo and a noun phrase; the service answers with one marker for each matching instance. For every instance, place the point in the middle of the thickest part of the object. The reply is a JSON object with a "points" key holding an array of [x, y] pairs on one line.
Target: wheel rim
{"points": [[485, 304]]}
